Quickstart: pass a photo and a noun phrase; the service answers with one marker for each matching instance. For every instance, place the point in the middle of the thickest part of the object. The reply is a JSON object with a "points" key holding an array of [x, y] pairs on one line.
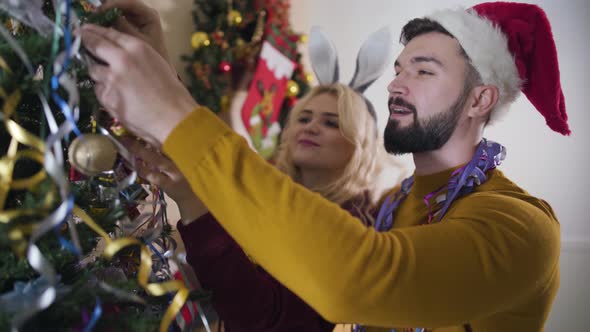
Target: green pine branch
{"points": [[65, 314]]}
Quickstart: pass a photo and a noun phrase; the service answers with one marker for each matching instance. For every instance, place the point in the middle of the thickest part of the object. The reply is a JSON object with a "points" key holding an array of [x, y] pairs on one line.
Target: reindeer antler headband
{"points": [[372, 60]]}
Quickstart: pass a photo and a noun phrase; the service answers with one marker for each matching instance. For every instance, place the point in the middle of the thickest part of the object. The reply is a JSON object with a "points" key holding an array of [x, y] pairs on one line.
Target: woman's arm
{"points": [[243, 294]]}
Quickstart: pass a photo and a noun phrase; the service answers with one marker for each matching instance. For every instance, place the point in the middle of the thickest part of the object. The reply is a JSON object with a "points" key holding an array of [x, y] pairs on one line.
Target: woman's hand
{"points": [[156, 168]]}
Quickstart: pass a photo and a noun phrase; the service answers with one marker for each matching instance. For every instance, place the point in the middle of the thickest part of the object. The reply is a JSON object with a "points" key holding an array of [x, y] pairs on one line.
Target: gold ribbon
{"points": [[22, 136], [4, 66], [18, 233], [7, 163], [6, 169], [145, 268]]}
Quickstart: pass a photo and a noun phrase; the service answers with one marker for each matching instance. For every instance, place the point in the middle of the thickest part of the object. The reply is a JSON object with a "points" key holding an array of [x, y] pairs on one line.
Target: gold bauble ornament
{"points": [[292, 88], [309, 77], [199, 39], [303, 38], [92, 154], [240, 42], [234, 17]]}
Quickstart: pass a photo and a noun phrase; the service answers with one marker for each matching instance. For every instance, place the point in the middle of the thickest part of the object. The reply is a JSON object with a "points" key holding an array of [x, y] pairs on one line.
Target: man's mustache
{"points": [[398, 101]]}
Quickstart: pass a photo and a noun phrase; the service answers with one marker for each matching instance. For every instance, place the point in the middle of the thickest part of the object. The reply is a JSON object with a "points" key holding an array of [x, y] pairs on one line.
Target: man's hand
{"points": [[135, 84], [140, 21]]}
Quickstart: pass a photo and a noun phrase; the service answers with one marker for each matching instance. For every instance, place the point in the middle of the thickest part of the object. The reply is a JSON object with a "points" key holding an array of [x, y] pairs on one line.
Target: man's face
{"points": [[427, 96]]}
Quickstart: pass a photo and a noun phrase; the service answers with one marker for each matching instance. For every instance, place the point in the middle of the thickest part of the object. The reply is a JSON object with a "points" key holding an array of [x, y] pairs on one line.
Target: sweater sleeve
{"points": [[470, 266], [245, 296]]}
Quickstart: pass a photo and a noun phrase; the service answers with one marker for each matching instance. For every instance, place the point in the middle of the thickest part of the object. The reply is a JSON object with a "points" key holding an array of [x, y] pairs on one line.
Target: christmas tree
{"points": [[248, 40], [80, 248]]}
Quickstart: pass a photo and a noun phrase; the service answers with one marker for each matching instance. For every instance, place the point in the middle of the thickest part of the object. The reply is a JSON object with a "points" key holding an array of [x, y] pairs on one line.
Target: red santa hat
{"points": [[511, 46]]}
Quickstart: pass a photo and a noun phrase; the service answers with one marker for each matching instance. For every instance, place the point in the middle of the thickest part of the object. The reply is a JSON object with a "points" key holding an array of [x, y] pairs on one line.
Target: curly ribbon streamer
{"points": [[95, 316], [52, 160], [60, 76], [29, 12], [154, 289], [50, 154]]}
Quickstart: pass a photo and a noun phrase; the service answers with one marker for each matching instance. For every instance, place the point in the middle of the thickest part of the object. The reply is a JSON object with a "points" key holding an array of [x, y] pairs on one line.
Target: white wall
{"points": [[545, 163], [548, 164]]}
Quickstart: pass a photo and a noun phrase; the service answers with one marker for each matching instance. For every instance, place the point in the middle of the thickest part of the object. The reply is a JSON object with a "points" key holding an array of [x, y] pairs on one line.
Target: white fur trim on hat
{"points": [[487, 47]]}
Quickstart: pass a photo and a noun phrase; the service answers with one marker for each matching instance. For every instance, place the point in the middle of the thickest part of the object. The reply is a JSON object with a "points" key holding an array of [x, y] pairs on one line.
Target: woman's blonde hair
{"points": [[358, 125]]}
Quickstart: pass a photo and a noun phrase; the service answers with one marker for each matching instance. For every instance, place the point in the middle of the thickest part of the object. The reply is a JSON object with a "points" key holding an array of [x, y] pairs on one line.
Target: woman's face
{"points": [[315, 140]]}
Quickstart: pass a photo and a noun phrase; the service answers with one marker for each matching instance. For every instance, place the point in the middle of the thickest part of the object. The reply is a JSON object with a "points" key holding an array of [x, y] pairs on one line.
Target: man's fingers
{"points": [[96, 43], [124, 26], [99, 73], [135, 11], [114, 48], [133, 7], [115, 37]]}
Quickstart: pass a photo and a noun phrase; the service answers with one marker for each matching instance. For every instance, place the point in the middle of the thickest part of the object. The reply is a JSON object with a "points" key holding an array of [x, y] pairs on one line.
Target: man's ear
{"points": [[483, 100]]}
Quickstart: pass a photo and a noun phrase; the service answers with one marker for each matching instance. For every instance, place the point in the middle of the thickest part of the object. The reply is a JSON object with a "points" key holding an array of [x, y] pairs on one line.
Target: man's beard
{"points": [[430, 135]]}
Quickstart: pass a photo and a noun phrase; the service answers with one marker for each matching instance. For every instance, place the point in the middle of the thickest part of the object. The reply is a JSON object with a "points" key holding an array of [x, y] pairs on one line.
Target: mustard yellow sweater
{"points": [[492, 262]]}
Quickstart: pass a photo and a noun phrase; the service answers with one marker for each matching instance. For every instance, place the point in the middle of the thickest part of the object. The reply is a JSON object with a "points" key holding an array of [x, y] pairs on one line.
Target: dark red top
{"points": [[245, 296]]}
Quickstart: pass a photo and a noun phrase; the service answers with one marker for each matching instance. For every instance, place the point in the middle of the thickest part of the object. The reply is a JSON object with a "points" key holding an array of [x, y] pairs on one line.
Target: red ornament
{"points": [[225, 66], [217, 37], [75, 175]]}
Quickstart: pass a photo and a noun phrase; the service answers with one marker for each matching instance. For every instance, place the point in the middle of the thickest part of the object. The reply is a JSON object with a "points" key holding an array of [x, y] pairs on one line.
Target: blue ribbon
{"points": [[65, 108], [95, 316]]}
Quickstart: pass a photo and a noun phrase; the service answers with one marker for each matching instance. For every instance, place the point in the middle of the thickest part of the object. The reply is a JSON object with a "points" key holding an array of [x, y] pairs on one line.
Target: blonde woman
{"points": [[330, 145]]}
